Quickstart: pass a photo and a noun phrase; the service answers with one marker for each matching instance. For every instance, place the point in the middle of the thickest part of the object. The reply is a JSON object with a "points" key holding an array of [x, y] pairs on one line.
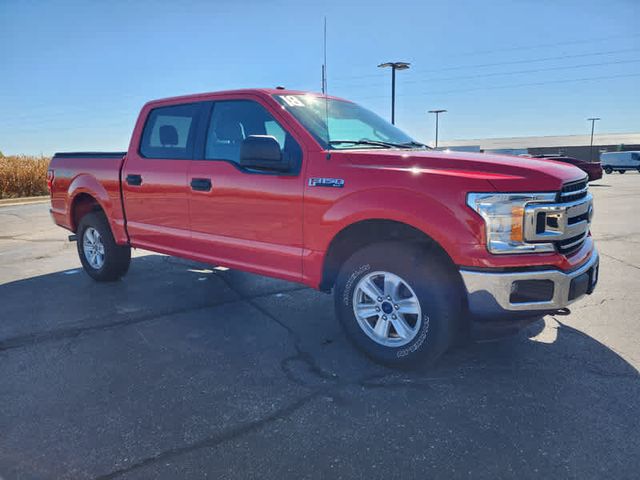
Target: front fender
{"points": [[446, 220]]}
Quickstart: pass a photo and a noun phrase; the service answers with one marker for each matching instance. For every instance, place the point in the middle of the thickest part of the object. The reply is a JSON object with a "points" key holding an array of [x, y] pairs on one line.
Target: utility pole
{"points": [[394, 66], [437, 112], [593, 125]]}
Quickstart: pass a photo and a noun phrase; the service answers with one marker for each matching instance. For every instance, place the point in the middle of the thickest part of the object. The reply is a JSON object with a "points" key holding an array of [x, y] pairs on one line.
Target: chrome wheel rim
{"points": [[93, 248], [387, 309]]}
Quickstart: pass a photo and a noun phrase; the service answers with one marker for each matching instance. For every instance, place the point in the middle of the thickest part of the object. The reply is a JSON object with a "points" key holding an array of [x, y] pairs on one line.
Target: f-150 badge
{"points": [[326, 182]]}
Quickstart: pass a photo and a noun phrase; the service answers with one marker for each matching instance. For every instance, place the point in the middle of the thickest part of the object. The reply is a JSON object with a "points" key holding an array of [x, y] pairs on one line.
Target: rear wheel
{"points": [[102, 258], [398, 303], [622, 171]]}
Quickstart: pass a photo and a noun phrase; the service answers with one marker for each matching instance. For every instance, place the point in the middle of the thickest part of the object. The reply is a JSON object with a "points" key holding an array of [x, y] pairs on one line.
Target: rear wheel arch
{"points": [[82, 204], [363, 233]]}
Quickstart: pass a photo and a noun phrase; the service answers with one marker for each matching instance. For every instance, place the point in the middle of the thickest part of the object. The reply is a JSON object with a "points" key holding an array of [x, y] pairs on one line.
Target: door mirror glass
{"points": [[262, 152]]}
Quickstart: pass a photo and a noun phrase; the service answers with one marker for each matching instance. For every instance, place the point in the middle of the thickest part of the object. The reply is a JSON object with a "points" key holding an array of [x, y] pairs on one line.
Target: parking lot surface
{"points": [[183, 370]]}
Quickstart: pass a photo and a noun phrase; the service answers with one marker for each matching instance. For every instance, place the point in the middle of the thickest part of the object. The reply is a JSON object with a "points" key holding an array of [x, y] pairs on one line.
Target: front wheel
{"points": [[608, 170], [102, 258], [399, 303]]}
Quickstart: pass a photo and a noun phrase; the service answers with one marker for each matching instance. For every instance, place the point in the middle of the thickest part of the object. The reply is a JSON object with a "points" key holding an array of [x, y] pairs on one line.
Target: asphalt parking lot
{"points": [[183, 370]]}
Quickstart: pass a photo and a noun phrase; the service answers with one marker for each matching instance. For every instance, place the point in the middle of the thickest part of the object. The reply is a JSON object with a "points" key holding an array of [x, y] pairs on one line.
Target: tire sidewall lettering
{"points": [[403, 352], [347, 295]]}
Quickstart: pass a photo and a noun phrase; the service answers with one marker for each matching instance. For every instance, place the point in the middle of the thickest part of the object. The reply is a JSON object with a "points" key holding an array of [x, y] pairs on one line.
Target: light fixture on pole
{"points": [[437, 112], [593, 126], [394, 66]]}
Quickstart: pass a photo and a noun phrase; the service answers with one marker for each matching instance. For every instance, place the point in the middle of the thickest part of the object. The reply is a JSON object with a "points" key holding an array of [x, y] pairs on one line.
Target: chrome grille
{"points": [[573, 191], [564, 223]]}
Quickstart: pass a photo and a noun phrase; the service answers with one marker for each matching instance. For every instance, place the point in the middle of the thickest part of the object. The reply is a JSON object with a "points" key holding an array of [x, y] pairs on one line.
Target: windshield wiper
{"points": [[416, 144], [375, 143]]}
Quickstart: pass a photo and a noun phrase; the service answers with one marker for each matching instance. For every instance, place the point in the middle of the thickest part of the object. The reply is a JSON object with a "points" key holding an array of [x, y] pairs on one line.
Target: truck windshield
{"points": [[341, 125]]}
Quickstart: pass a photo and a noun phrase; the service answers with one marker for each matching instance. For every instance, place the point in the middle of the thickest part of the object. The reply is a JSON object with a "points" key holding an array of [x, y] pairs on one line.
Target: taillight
{"points": [[50, 177]]}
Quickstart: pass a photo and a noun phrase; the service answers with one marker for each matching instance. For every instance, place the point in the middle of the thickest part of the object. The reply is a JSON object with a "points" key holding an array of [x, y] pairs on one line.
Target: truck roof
{"points": [[254, 91]]}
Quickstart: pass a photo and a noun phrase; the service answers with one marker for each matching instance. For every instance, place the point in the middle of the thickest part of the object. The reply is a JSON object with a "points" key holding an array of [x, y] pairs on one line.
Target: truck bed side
{"points": [[85, 181]]}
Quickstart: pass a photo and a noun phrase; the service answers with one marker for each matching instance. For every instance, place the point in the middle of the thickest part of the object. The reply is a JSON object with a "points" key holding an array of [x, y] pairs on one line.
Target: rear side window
{"points": [[170, 132]]}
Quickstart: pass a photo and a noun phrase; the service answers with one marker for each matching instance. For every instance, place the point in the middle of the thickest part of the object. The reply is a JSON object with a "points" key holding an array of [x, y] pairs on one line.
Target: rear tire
{"points": [[102, 258], [622, 172], [417, 308]]}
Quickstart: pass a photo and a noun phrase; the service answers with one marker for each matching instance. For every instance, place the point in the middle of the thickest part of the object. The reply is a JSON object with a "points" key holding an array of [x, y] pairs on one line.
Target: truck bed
{"points": [[80, 179], [89, 154]]}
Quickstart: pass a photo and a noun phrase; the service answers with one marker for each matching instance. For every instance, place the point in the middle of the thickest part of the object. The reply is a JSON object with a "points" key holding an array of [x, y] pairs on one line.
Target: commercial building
{"points": [[577, 146]]}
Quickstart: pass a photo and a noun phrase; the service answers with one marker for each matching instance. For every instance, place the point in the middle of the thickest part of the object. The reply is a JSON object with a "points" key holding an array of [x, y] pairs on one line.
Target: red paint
{"points": [[279, 226]]}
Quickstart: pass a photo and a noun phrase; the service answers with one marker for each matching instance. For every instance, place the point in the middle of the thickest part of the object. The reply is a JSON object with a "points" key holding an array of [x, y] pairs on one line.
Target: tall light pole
{"points": [[593, 126], [394, 66], [437, 112]]}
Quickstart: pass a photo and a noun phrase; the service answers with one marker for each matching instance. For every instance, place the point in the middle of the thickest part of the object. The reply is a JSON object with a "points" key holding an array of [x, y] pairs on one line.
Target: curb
{"points": [[12, 202]]}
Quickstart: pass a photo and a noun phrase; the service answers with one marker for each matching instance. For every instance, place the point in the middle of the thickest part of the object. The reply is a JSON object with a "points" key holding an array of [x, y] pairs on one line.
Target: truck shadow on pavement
{"points": [[162, 373]]}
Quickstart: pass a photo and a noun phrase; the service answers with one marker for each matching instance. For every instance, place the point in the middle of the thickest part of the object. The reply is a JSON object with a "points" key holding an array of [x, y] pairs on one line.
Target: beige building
{"points": [[577, 146]]}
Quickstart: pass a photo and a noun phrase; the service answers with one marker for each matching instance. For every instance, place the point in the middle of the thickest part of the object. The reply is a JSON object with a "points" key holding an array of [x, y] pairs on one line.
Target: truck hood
{"points": [[505, 172]]}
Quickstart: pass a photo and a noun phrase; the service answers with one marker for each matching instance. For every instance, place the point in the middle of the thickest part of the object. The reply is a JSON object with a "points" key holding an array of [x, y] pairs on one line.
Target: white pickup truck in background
{"points": [[620, 161]]}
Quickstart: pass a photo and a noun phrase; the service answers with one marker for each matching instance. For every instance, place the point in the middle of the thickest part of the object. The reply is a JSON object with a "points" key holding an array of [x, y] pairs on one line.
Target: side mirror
{"points": [[262, 152]]}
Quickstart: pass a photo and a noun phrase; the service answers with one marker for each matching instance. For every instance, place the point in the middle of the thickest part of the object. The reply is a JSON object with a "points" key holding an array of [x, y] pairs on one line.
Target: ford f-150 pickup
{"points": [[416, 244]]}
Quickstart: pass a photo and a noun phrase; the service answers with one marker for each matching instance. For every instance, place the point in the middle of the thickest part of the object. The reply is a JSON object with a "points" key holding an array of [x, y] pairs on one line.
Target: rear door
{"points": [[154, 178], [241, 218]]}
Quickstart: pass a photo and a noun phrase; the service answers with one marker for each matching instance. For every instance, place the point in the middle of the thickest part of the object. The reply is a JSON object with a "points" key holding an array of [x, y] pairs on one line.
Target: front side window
{"points": [[234, 120], [339, 124], [170, 132]]}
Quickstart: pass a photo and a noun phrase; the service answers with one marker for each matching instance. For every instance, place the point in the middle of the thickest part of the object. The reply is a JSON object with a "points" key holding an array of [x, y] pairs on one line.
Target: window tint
{"points": [[234, 120], [170, 131]]}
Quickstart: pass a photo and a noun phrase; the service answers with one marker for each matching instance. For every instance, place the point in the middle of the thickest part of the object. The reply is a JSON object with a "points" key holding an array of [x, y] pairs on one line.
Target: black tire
{"points": [[116, 257], [622, 172], [608, 170], [437, 288]]}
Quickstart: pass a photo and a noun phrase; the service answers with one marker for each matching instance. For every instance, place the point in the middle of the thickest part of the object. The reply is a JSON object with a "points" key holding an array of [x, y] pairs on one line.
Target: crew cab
{"points": [[417, 245]]}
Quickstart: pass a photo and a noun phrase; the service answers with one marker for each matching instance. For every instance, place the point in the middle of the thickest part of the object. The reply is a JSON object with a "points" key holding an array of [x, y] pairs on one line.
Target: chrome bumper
{"points": [[491, 293]]}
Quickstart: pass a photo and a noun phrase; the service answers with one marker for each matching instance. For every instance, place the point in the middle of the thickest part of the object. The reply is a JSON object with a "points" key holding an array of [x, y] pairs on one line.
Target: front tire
{"points": [[608, 170], [102, 258], [399, 303]]}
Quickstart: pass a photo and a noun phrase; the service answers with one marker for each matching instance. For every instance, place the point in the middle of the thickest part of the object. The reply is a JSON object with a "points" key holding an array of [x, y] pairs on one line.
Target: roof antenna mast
{"points": [[324, 59], [324, 84]]}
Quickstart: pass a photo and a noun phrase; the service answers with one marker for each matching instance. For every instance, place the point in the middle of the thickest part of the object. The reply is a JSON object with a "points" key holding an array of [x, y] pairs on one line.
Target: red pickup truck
{"points": [[416, 244]]}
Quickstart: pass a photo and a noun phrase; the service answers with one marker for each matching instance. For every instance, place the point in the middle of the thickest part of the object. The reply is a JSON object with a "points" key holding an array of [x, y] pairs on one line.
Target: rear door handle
{"points": [[134, 179], [201, 184]]}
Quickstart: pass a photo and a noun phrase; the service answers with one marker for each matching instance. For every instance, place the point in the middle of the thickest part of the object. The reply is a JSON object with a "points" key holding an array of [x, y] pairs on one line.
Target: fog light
{"points": [[525, 291]]}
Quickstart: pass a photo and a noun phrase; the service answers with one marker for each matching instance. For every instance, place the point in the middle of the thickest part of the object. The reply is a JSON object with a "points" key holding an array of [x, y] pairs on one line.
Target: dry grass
{"points": [[23, 176]]}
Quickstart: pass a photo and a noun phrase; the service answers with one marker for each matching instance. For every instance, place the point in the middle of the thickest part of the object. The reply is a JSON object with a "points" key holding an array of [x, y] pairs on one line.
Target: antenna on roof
{"points": [[324, 85], [324, 59]]}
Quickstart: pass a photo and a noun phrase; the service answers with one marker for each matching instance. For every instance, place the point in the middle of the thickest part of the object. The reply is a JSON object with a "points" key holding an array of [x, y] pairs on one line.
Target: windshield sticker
{"points": [[326, 182], [292, 100]]}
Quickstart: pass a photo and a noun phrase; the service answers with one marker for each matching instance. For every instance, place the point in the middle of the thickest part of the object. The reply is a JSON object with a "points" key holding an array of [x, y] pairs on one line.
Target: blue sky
{"points": [[73, 75]]}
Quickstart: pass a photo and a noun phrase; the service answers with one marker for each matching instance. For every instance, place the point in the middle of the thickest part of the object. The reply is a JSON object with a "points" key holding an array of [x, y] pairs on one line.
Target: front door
{"points": [[246, 219]]}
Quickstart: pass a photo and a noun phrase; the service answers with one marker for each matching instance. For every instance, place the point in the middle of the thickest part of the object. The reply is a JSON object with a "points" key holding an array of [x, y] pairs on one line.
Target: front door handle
{"points": [[134, 179], [201, 184]]}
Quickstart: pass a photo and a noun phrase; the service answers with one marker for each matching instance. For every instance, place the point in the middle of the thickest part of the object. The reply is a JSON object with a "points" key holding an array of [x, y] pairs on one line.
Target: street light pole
{"points": [[593, 126], [394, 66], [437, 112]]}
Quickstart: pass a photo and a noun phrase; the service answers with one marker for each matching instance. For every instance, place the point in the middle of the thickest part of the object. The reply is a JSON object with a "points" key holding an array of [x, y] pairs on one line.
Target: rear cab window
{"points": [[170, 132]]}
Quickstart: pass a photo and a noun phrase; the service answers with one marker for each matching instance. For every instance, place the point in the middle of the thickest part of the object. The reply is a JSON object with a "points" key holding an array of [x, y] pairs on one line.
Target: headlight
{"points": [[503, 215]]}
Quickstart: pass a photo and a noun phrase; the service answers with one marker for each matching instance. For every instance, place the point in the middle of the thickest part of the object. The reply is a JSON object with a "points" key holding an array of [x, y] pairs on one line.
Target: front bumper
{"points": [[491, 293]]}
